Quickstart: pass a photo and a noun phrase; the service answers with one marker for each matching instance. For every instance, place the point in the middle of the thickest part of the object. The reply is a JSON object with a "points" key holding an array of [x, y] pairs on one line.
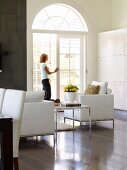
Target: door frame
{"points": [[83, 57]]}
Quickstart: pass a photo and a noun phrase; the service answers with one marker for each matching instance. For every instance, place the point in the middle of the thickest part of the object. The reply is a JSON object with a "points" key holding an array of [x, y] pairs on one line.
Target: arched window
{"points": [[59, 30], [59, 17]]}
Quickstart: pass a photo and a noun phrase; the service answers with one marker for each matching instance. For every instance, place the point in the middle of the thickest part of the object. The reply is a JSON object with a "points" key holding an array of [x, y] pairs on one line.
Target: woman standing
{"points": [[44, 75]]}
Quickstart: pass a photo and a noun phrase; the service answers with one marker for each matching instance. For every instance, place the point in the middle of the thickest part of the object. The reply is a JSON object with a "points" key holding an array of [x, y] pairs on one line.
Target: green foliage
{"points": [[70, 88]]}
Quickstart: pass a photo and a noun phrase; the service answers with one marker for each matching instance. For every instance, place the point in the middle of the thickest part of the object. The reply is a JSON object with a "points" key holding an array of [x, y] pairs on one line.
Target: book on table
{"points": [[70, 104]]}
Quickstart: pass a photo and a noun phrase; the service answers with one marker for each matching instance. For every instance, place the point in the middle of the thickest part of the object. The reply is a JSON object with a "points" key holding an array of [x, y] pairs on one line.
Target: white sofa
{"points": [[11, 104], [38, 115], [101, 108]]}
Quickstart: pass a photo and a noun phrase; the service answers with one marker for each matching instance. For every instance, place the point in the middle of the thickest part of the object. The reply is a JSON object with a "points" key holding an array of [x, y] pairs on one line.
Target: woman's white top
{"points": [[44, 75]]}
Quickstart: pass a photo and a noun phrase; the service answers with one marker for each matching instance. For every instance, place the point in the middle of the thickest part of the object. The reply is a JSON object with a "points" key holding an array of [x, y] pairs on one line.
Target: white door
{"points": [[69, 59]]}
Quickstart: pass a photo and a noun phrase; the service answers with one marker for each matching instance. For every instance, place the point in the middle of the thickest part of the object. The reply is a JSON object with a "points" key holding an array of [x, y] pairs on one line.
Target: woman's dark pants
{"points": [[47, 88]]}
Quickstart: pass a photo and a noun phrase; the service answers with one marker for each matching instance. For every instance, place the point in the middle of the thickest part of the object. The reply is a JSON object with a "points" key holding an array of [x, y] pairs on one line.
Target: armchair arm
{"points": [[38, 118]]}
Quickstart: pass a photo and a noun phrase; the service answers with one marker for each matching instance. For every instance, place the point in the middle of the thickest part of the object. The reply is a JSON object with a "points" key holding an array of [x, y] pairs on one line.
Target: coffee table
{"points": [[62, 108]]}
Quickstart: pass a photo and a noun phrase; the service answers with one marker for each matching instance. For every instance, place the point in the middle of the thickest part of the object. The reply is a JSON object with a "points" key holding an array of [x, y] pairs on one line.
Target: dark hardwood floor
{"points": [[105, 150]]}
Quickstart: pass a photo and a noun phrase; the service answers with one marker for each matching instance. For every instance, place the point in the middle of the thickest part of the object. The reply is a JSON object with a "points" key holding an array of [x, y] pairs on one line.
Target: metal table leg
{"points": [[56, 124], [89, 121], [73, 120]]}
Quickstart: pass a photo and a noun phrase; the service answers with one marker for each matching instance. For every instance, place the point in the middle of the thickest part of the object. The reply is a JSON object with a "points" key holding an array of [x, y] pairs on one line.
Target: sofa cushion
{"points": [[34, 96], [92, 89], [103, 86]]}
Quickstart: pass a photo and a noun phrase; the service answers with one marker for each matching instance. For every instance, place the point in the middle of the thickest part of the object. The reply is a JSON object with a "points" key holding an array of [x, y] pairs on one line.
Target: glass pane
{"points": [[64, 62], [48, 26], [74, 62], [64, 26], [69, 63], [74, 21], [75, 46], [64, 46], [75, 77], [44, 43], [55, 22], [56, 10], [40, 20]]}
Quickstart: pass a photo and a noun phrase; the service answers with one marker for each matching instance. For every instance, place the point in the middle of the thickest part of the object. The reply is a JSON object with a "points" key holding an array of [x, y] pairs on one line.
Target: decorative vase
{"points": [[70, 96]]}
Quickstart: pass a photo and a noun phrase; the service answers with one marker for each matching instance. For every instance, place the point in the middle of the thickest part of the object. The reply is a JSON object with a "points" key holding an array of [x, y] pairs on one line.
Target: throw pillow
{"points": [[103, 86], [92, 89]]}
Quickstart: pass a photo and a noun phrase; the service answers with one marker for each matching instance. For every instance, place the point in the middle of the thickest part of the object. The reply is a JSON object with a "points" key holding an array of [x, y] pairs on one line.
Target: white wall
{"points": [[119, 14], [112, 64], [97, 14]]}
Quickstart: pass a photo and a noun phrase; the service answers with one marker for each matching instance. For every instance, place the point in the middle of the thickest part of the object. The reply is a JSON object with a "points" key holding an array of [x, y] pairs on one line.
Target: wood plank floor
{"points": [[105, 150]]}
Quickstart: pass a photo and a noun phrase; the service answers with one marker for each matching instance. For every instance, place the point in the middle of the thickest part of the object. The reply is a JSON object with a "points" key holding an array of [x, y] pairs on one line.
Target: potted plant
{"points": [[70, 92]]}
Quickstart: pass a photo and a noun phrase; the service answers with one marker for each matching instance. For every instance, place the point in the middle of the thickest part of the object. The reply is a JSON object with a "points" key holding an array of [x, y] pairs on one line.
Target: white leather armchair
{"points": [[101, 108], [38, 115]]}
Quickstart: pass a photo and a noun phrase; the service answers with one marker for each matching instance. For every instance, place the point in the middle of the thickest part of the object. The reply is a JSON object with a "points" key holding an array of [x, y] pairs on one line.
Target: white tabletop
{"points": [[72, 107]]}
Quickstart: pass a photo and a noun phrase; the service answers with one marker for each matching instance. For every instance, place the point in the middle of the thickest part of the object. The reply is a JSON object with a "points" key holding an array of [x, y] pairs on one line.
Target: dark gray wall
{"points": [[13, 40]]}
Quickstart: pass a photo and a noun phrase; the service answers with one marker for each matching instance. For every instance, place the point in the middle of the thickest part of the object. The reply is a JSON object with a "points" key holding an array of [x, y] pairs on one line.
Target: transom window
{"points": [[59, 17]]}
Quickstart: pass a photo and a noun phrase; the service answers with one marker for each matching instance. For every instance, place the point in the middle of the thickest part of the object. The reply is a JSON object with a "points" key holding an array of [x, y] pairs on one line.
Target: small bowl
{"points": [[56, 104]]}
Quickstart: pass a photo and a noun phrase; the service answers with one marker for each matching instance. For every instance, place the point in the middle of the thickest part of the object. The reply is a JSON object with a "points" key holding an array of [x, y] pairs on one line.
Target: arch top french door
{"points": [[65, 51]]}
